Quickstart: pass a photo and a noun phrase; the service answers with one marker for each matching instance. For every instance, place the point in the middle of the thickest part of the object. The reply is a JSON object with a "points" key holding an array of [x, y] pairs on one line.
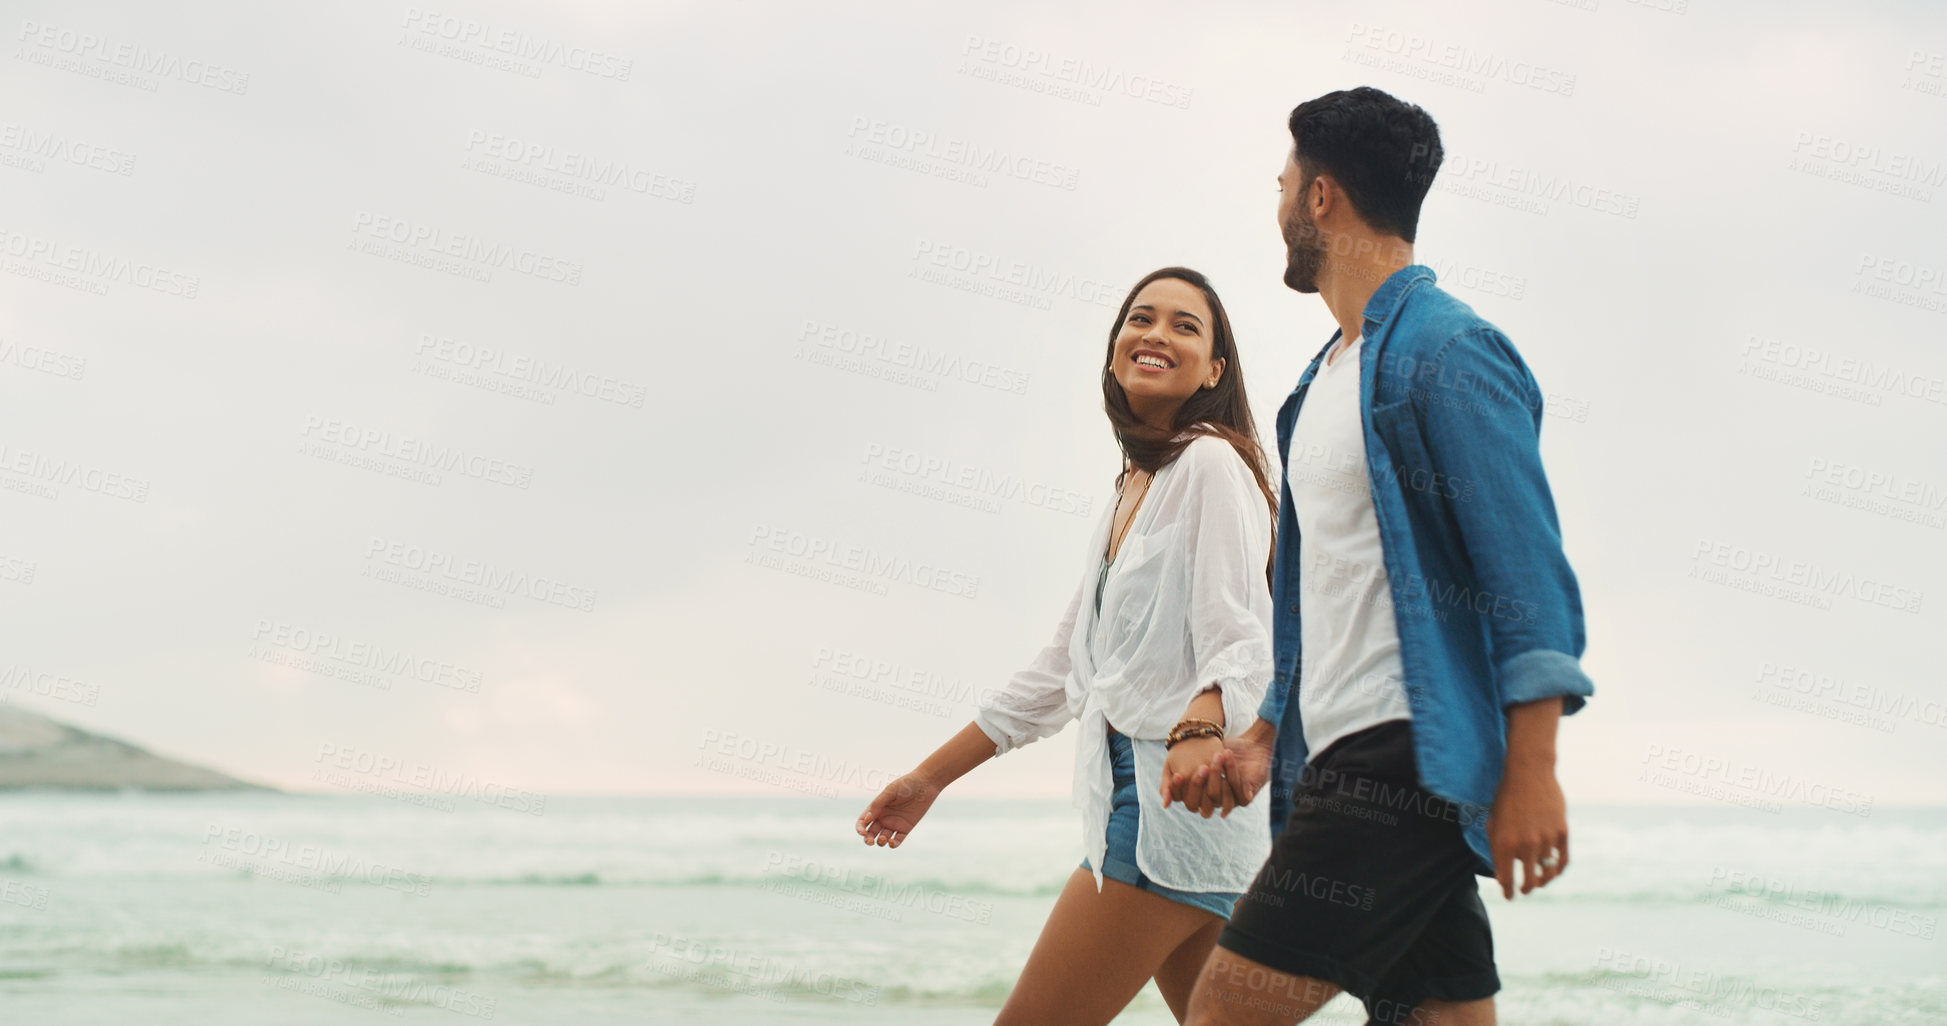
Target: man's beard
{"points": [[1304, 253]]}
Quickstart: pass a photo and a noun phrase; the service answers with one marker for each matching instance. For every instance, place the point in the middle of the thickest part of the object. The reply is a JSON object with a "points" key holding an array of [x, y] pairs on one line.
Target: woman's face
{"points": [[1162, 350]]}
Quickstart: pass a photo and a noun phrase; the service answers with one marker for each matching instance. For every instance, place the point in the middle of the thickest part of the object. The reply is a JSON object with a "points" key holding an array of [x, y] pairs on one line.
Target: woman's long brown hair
{"points": [[1224, 410]]}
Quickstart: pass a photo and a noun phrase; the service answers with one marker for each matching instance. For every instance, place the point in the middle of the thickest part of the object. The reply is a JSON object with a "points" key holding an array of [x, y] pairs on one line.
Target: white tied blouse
{"points": [[1185, 605]]}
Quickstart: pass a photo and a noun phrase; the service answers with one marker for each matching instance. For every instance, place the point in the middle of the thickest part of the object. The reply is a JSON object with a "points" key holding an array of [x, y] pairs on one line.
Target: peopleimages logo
{"points": [[1716, 776], [1714, 560], [65, 149], [43, 474], [49, 685], [416, 239], [577, 166], [971, 479], [927, 364], [428, 778], [892, 683], [396, 662], [1031, 284], [44, 360], [1548, 186], [131, 57], [947, 149], [87, 263], [1830, 905], [478, 573], [1869, 157], [1064, 76], [1857, 701], [519, 44], [387, 990], [855, 566], [417, 452], [1837, 373], [1718, 994], [1423, 57], [513, 368]]}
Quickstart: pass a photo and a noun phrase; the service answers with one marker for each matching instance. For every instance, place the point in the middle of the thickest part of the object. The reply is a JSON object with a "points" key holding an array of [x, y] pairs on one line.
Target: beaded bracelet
{"points": [[1186, 733], [1190, 727]]}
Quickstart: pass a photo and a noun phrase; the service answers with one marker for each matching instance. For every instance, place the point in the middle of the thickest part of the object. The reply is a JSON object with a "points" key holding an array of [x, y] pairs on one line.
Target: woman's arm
{"points": [[1034, 702], [898, 809], [961, 753], [1187, 756], [1229, 530], [1033, 705], [1208, 705], [1229, 527]]}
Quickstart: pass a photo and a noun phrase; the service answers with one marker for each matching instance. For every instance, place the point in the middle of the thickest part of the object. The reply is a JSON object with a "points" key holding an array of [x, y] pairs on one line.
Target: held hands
{"points": [[1528, 825], [897, 810], [1207, 774], [1189, 778]]}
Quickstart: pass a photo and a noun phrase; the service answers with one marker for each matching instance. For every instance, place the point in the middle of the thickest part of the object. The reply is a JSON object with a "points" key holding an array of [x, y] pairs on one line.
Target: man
{"points": [[1427, 625]]}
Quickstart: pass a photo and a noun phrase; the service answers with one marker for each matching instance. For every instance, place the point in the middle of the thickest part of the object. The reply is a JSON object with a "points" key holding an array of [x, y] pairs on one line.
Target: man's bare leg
{"points": [[1236, 991], [1455, 1013]]}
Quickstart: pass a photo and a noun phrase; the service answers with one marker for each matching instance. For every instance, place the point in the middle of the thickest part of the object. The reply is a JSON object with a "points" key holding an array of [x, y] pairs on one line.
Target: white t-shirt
{"points": [[1350, 676], [1186, 604]]}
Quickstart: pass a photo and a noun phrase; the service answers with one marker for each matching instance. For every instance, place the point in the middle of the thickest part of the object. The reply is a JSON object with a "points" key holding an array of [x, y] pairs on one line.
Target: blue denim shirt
{"points": [[1486, 606]]}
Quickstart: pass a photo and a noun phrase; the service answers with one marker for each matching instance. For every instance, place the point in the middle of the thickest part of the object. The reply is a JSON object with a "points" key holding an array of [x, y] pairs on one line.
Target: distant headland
{"points": [[37, 752]]}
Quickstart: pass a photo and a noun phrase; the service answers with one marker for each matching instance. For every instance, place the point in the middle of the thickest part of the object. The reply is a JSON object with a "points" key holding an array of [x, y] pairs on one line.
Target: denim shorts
{"points": [[1119, 860]]}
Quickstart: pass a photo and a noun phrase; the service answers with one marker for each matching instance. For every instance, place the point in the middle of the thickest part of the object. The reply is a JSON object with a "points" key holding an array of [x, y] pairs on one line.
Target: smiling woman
{"points": [[1172, 362], [1164, 647]]}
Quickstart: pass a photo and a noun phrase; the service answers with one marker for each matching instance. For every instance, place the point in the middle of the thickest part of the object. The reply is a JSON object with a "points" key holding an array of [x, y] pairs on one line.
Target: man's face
{"points": [[1304, 247]]}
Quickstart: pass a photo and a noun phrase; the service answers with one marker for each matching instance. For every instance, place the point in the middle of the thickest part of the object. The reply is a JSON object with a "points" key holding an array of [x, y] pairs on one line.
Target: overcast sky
{"points": [[585, 398]]}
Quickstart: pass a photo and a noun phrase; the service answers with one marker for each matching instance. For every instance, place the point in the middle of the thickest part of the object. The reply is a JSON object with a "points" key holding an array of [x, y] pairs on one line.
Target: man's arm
{"points": [[1482, 429], [1482, 421], [1271, 710], [1529, 821]]}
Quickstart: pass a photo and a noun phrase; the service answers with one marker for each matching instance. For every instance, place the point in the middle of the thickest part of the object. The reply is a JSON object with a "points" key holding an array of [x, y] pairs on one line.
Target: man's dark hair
{"points": [[1381, 150]]}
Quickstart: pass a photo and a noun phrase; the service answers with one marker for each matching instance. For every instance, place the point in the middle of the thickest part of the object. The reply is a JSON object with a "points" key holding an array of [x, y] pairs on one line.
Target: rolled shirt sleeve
{"points": [[1271, 710], [1488, 435], [1034, 702], [1229, 527]]}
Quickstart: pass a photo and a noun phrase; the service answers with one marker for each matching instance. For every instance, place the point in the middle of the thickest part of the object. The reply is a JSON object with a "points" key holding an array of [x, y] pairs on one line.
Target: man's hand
{"points": [[1529, 821], [1246, 765]]}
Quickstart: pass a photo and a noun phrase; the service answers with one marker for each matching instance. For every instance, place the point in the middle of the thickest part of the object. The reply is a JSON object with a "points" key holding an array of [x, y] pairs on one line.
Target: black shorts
{"points": [[1371, 886]]}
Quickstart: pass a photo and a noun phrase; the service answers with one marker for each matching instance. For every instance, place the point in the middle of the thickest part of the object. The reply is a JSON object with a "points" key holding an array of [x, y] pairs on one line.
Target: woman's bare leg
{"points": [[1096, 952], [1177, 978]]}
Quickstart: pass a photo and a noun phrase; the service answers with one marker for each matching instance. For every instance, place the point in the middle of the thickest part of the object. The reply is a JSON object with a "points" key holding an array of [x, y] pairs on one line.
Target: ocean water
{"points": [[230, 909]]}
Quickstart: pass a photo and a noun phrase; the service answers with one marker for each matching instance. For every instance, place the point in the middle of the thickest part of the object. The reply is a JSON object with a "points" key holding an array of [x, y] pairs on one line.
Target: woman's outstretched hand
{"points": [[897, 810]]}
